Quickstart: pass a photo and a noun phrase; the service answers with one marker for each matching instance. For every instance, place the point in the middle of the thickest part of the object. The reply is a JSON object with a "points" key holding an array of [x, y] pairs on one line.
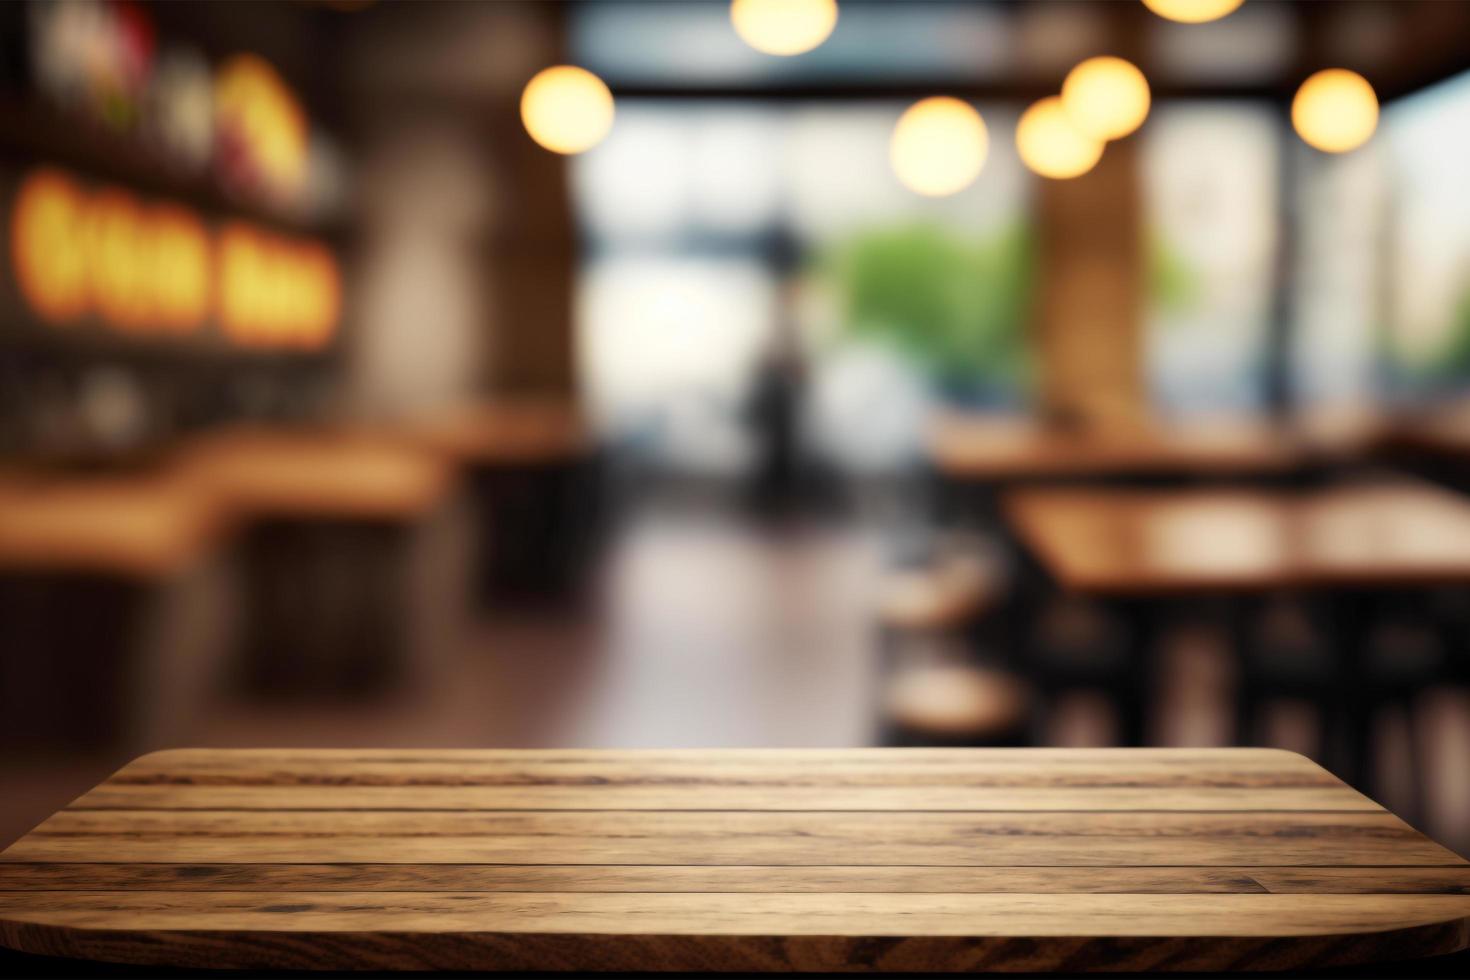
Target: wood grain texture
{"points": [[893, 860]]}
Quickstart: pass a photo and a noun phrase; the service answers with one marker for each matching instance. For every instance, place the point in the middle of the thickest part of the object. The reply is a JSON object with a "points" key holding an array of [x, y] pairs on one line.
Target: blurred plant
{"points": [[1449, 365], [1173, 286], [956, 307]]}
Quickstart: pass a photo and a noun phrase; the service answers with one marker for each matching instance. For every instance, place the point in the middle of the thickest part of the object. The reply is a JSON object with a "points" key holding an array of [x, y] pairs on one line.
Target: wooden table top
{"points": [[898, 860], [1116, 541], [987, 448], [153, 522], [142, 526], [506, 433], [304, 473]]}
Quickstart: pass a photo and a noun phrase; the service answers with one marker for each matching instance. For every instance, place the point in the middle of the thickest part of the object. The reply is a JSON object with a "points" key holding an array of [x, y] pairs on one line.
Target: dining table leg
{"points": [[1142, 619], [1348, 726]]}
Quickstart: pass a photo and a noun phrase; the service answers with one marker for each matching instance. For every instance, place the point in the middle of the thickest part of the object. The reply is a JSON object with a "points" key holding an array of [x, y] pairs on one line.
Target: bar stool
{"points": [[939, 687], [954, 703], [948, 594]]}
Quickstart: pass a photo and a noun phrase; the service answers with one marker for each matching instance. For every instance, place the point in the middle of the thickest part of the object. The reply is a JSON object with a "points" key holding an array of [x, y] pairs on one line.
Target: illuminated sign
{"points": [[275, 291], [261, 131], [154, 269]]}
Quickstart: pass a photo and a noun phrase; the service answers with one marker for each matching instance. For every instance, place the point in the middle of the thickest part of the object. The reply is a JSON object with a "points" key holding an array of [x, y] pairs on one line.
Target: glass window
{"points": [[1210, 179]]}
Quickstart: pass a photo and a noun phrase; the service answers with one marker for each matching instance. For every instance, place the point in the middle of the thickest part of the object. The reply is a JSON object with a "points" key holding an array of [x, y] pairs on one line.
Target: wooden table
{"points": [[704, 860], [1141, 548], [332, 516], [533, 478], [139, 526], [1005, 450], [97, 571], [1151, 543], [305, 474], [507, 432]]}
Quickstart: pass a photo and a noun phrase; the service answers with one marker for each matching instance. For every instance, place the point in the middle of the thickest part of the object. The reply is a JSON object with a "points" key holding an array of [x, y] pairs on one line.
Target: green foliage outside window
{"points": [[954, 305]]}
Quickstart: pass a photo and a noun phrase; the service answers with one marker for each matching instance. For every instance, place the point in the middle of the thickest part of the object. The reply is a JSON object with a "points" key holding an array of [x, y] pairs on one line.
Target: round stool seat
{"points": [[945, 595], [955, 701]]}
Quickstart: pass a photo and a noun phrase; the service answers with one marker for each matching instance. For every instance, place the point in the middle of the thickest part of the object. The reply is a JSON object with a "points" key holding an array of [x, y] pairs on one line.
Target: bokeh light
{"points": [[1106, 98], [1050, 145], [262, 131], [783, 27], [1192, 11], [1335, 110], [137, 267], [567, 109], [938, 146]]}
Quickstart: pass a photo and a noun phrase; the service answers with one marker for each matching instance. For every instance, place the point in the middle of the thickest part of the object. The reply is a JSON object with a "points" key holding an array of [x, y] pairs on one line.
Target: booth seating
{"points": [[940, 685], [107, 588]]}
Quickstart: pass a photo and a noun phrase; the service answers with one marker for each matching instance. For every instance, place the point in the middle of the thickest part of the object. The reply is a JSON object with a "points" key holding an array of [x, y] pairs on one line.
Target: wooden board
{"points": [[894, 860], [1114, 541]]}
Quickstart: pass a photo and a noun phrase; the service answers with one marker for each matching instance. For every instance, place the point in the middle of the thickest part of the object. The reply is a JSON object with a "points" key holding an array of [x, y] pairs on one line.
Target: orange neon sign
{"points": [[154, 269]]}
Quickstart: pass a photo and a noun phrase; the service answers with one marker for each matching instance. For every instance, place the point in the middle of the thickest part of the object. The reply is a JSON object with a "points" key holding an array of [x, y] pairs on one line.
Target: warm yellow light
{"points": [[1106, 98], [276, 291], [567, 109], [1335, 110], [938, 146], [783, 27], [1192, 11], [48, 221], [1051, 145], [255, 109]]}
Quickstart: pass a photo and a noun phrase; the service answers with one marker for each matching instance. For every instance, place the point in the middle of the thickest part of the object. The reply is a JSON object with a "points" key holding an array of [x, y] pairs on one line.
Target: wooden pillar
{"points": [[532, 254], [1089, 313]]}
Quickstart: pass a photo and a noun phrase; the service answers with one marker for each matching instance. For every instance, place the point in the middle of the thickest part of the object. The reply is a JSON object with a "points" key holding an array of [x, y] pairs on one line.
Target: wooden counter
{"points": [[813, 860]]}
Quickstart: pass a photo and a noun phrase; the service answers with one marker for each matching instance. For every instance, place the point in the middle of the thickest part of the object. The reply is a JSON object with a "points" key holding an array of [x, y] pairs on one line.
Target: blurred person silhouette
{"points": [[777, 394]]}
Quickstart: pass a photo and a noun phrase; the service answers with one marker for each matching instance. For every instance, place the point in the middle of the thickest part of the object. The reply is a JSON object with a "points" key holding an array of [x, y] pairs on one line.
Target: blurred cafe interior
{"points": [[767, 373]]}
